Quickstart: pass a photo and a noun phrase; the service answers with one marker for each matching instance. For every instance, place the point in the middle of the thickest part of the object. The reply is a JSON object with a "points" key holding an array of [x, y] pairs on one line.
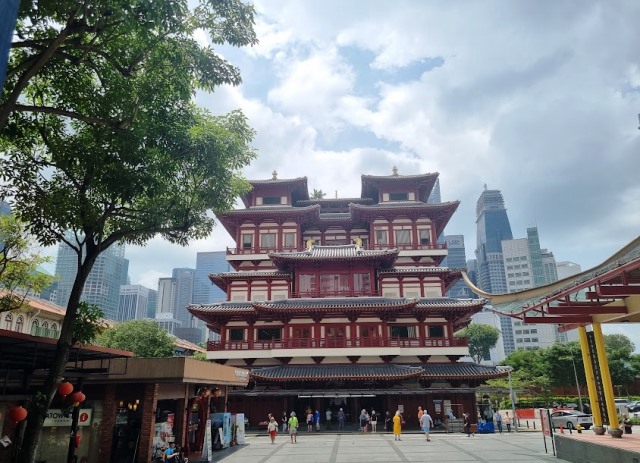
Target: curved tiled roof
{"points": [[440, 302], [386, 371], [222, 308], [340, 252], [336, 372], [337, 303]]}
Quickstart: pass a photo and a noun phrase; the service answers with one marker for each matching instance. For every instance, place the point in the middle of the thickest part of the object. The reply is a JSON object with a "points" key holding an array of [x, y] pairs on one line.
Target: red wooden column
{"points": [[421, 333], [414, 232], [256, 238], [250, 334]]}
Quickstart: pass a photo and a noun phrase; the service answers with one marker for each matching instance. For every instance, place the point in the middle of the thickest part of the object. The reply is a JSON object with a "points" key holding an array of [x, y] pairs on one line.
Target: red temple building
{"points": [[338, 303]]}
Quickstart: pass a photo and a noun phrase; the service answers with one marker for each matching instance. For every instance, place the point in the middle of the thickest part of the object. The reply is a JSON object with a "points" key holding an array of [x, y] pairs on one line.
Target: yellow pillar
{"points": [[606, 377], [591, 379]]}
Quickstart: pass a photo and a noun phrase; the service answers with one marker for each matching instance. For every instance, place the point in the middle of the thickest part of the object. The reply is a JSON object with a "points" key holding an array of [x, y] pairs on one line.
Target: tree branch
{"points": [[116, 125]]}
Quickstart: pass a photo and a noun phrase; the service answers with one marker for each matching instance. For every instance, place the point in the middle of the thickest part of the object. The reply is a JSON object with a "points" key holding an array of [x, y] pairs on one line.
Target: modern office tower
{"points": [[488, 317], [205, 292], [434, 197], [456, 259], [124, 276], [184, 281], [102, 287], [134, 302], [472, 273], [565, 269], [527, 266], [165, 308], [152, 303], [493, 227]]}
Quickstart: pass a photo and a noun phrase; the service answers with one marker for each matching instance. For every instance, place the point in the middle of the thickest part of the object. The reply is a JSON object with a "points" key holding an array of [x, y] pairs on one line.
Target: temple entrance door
{"points": [[301, 336]]}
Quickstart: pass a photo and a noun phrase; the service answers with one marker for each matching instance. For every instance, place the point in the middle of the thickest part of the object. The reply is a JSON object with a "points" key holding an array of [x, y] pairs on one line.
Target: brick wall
{"points": [[148, 430], [108, 424]]}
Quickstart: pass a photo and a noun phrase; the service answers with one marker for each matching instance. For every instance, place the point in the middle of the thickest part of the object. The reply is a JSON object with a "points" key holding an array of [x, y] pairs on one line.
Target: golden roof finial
{"points": [[395, 171], [274, 175]]}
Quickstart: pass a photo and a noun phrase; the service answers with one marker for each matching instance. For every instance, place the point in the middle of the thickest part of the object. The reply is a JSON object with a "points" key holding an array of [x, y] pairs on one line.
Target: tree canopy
{"points": [[318, 194], [482, 338], [101, 137], [144, 338], [19, 265]]}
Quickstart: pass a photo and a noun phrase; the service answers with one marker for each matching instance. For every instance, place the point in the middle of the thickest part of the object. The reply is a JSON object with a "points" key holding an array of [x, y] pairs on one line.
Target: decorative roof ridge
{"points": [[400, 177], [441, 205], [279, 180]]}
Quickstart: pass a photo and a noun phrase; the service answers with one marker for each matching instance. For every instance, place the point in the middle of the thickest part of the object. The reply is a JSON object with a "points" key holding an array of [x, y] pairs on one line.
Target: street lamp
{"points": [[509, 369]]}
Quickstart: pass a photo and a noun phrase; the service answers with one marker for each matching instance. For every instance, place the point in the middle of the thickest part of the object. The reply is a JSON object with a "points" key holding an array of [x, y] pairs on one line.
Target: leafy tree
{"points": [[318, 194], [620, 355], [618, 346], [559, 361], [19, 273], [101, 136], [482, 338], [144, 338]]}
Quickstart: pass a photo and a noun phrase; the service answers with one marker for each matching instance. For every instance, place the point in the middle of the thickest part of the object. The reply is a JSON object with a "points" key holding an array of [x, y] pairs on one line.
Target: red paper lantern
{"points": [[65, 389], [78, 397], [18, 414]]}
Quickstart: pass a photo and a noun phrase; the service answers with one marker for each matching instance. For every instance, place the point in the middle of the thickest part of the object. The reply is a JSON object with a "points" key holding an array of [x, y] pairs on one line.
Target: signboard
{"points": [[240, 433], [207, 453], [545, 422], [593, 354], [55, 417]]}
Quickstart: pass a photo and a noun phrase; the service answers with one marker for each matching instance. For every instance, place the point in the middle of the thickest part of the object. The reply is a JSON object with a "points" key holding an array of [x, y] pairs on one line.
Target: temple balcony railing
{"points": [[409, 246], [334, 293], [239, 250], [252, 250], [336, 343]]}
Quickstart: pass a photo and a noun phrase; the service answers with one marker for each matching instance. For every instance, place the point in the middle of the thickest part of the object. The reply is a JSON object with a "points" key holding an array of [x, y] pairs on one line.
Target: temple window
{"points": [[333, 284], [247, 241], [368, 331], [424, 236], [289, 240], [436, 331], [236, 334], [307, 283], [271, 200], [333, 332], [381, 237], [8, 321], [403, 331], [362, 282], [398, 196], [267, 240], [403, 236], [267, 334]]}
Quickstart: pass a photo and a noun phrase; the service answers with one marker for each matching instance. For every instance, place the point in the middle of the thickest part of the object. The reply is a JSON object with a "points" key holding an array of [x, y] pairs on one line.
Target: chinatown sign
{"points": [[55, 417]]}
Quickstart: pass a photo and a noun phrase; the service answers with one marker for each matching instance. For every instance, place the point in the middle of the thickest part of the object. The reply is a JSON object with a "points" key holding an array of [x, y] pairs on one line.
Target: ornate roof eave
{"points": [[232, 219], [387, 372], [298, 307], [440, 213], [338, 201], [286, 260], [371, 183], [298, 184], [222, 280], [461, 370], [222, 312]]}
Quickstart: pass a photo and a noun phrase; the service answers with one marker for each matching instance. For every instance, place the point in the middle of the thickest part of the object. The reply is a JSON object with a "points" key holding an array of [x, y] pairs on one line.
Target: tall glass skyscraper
{"points": [[493, 227], [456, 259], [207, 263], [184, 283], [102, 287]]}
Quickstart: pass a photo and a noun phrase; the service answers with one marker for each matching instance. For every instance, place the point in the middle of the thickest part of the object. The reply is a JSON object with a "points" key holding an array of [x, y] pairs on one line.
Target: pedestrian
{"points": [[272, 427], [284, 422], [420, 413], [293, 428], [374, 420], [507, 421], [328, 414], [316, 419], [498, 418], [341, 418], [363, 420], [426, 423], [309, 421], [387, 421], [466, 421], [397, 426]]}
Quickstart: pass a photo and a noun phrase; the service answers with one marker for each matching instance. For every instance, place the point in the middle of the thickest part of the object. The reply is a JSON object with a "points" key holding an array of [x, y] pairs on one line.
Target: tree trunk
{"points": [[41, 401]]}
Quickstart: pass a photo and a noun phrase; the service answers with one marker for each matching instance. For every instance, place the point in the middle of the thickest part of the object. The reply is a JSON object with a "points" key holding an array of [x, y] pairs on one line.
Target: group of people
{"points": [[368, 421], [288, 423]]}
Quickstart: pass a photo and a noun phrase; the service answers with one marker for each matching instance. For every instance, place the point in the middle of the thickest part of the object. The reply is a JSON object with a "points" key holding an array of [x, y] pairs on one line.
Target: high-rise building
{"points": [[205, 292], [456, 259], [493, 227], [184, 280], [166, 305], [134, 302], [472, 273], [527, 266], [434, 197], [565, 269], [102, 287]]}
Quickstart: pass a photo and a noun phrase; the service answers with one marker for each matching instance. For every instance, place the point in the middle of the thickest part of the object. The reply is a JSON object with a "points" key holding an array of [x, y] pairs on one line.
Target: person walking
{"points": [[363, 420], [387, 421], [328, 414], [466, 423], [309, 421], [507, 421], [293, 428], [397, 426], [426, 423], [498, 418], [341, 419], [272, 428], [316, 419], [373, 420]]}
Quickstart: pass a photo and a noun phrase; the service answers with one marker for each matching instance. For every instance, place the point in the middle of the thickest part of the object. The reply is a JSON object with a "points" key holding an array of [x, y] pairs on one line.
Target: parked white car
{"points": [[570, 419]]}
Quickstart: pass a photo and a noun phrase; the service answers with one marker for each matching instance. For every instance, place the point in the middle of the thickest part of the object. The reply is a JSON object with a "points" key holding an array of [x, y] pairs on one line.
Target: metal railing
{"points": [[327, 343], [239, 250]]}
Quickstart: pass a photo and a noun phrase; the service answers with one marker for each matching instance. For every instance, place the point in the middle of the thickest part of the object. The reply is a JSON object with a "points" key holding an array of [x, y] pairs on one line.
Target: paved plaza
{"points": [[355, 448]]}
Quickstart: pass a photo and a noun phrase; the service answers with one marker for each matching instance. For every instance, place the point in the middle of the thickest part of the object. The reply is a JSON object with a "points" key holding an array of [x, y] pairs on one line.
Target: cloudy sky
{"points": [[537, 99]]}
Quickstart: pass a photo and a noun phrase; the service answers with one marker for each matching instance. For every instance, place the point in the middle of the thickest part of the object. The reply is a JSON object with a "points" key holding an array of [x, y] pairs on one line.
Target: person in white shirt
{"points": [[426, 423], [272, 427]]}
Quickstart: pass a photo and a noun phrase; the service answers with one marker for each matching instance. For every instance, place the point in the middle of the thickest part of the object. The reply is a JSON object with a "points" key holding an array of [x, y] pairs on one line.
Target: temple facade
{"points": [[339, 303]]}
